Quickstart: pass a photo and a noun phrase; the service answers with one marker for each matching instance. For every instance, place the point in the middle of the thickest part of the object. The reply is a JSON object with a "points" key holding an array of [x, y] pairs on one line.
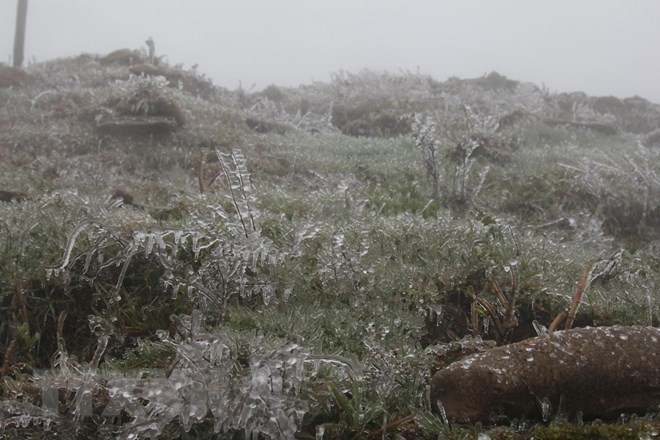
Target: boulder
{"points": [[148, 104], [13, 76], [600, 372], [12, 196], [124, 57]]}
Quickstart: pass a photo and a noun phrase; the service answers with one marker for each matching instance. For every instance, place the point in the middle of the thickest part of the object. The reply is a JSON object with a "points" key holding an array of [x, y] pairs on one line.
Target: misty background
{"points": [[601, 47]]}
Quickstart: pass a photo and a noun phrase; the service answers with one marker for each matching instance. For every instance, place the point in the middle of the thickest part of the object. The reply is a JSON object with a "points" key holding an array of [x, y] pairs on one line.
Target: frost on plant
{"points": [[283, 118], [344, 261], [241, 192], [424, 128], [224, 240], [626, 188], [469, 138], [262, 406], [205, 381]]}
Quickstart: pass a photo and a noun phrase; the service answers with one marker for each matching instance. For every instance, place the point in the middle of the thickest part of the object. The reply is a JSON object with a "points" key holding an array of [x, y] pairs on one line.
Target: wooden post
{"points": [[19, 38]]}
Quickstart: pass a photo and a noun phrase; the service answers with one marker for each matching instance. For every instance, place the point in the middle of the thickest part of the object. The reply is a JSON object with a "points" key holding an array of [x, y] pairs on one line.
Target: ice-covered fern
{"points": [[223, 238], [300, 119]]}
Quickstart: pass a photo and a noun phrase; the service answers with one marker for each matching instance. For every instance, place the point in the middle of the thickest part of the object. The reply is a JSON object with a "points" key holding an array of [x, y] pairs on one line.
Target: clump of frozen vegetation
{"points": [[628, 187], [227, 252], [205, 381], [450, 152]]}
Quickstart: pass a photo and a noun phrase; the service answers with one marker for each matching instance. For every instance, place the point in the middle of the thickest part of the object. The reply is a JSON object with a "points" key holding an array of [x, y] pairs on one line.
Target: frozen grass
{"points": [[299, 292]]}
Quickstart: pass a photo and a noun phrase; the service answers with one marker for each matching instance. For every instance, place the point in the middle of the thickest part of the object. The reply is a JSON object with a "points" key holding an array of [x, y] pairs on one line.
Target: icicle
{"points": [[546, 409], [443, 413]]}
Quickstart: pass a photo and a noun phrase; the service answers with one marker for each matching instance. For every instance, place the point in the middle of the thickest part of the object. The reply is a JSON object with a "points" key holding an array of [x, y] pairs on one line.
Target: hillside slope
{"points": [[299, 261]]}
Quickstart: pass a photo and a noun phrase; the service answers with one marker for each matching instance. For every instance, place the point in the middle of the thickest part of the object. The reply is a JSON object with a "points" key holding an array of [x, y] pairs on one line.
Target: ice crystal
{"points": [[204, 384]]}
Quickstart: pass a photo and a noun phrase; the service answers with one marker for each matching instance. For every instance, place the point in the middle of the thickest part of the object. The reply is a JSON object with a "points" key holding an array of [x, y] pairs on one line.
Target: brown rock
{"points": [[601, 372], [148, 105], [13, 76], [123, 195], [12, 196], [122, 56]]}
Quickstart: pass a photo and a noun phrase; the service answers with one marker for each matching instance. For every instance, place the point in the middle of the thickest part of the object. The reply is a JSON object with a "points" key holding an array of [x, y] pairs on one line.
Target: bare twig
{"points": [[582, 286], [555, 322], [392, 425], [511, 306]]}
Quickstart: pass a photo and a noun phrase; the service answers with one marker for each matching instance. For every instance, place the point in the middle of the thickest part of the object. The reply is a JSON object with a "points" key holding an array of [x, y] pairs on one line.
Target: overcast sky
{"points": [[602, 47]]}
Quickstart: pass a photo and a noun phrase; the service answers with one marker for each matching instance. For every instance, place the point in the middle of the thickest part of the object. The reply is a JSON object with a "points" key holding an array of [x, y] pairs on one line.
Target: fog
{"points": [[602, 47]]}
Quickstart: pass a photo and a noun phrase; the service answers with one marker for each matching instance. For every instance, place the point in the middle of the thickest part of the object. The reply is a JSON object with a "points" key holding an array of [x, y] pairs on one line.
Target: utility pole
{"points": [[19, 38]]}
